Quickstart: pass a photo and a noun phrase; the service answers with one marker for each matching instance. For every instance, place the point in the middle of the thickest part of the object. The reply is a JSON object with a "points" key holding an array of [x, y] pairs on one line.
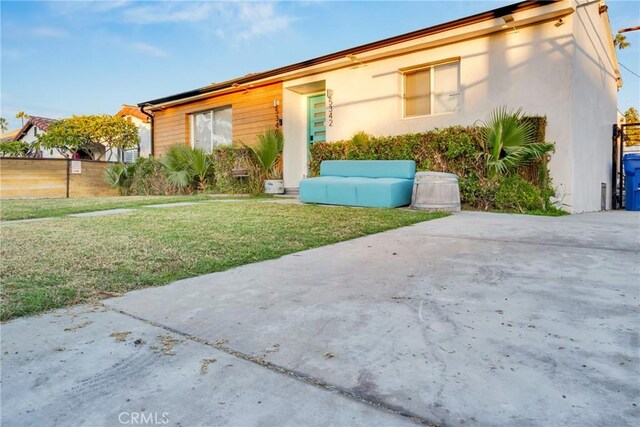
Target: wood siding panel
{"points": [[47, 178], [252, 112]]}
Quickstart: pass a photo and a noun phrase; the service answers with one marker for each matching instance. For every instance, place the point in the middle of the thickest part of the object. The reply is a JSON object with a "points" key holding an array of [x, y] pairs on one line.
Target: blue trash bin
{"points": [[631, 164]]}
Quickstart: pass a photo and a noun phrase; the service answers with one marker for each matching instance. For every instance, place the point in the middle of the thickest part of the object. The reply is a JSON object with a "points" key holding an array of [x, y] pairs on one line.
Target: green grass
{"points": [[13, 209], [69, 260]]}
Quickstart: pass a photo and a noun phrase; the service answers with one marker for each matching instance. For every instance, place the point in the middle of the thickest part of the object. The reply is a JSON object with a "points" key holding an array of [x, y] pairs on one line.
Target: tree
{"points": [[22, 115], [13, 149], [620, 41], [632, 133], [4, 124], [97, 135]]}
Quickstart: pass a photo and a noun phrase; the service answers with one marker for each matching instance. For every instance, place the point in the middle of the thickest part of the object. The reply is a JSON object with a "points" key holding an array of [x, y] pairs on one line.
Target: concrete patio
{"points": [[475, 319]]}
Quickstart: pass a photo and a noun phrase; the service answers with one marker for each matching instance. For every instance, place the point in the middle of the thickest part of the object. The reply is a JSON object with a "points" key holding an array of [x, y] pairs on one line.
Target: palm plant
{"points": [[119, 176], [267, 152], [22, 115], [185, 165], [509, 141]]}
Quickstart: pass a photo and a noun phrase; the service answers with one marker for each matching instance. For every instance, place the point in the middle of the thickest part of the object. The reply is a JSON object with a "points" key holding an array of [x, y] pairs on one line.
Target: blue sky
{"points": [[89, 57]]}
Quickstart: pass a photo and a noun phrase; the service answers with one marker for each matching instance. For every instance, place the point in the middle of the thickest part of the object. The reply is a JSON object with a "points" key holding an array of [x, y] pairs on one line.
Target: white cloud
{"points": [[149, 50], [163, 12], [88, 6], [49, 32], [261, 19]]}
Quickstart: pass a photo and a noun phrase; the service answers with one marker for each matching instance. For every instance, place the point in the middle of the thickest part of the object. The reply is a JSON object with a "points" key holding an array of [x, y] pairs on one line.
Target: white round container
{"points": [[436, 191]]}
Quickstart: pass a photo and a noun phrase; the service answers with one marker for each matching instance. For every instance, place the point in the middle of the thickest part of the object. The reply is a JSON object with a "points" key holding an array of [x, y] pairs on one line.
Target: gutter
{"points": [[151, 140]]}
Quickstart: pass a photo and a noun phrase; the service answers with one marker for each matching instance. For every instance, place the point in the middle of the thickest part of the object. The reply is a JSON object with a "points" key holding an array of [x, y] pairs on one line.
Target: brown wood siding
{"points": [[47, 178], [252, 112]]}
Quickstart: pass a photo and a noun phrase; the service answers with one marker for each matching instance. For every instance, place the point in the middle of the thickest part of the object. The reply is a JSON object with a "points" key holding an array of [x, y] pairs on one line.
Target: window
{"points": [[431, 90], [211, 129]]}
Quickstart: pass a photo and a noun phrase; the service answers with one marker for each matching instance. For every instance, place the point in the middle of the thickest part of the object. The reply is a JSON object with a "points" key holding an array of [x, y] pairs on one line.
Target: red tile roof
{"points": [[133, 111], [41, 123]]}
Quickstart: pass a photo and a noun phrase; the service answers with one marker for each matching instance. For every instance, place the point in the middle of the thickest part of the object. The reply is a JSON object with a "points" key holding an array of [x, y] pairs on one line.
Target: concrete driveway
{"points": [[475, 319]]}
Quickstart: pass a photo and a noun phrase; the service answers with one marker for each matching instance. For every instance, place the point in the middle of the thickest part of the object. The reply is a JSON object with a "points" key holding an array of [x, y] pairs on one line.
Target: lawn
{"points": [[69, 260], [12, 209]]}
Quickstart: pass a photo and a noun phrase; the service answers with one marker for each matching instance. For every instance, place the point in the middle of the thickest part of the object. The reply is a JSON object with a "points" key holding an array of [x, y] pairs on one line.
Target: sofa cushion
{"points": [[314, 190], [369, 168], [384, 192]]}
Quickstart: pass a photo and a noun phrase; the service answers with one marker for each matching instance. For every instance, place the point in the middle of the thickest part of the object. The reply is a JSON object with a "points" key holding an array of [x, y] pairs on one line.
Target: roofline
{"points": [[27, 125], [458, 23]]}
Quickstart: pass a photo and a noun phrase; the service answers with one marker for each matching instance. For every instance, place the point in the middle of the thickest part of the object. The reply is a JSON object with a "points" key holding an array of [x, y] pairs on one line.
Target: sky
{"points": [[60, 58]]}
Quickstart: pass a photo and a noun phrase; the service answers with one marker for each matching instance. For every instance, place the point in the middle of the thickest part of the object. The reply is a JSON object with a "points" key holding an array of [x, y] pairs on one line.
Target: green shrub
{"points": [[225, 160], [459, 150], [187, 168], [509, 141], [514, 194], [267, 152], [149, 179], [119, 176]]}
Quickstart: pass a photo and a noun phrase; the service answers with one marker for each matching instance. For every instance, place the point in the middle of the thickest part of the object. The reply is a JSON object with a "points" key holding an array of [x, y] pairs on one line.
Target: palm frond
{"points": [[509, 141], [267, 151]]}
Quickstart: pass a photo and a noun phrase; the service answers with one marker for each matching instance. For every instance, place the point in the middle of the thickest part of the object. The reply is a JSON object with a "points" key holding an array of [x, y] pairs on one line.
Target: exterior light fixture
{"points": [[508, 21]]}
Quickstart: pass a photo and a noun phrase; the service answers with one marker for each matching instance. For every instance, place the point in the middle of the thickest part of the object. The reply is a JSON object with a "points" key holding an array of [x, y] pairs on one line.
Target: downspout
{"points": [[150, 115]]}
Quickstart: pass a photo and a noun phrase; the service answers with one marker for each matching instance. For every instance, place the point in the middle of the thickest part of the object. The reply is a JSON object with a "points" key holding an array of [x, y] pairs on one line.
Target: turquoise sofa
{"points": [[371, 183]]}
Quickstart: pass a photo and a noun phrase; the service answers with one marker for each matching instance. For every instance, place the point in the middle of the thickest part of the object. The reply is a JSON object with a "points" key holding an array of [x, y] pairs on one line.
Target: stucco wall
{"points": [[530, 67], [31, 136], [593, 108]]}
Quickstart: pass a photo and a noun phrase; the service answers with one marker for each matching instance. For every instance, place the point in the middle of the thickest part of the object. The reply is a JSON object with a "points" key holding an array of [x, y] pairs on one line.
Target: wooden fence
{"points": [[53, 178]]}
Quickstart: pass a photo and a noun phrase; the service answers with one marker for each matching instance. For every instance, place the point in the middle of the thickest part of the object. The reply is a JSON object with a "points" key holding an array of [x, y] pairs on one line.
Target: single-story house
{"points": [[29, 134], [143, 123], [40, 125], [550, 58]]}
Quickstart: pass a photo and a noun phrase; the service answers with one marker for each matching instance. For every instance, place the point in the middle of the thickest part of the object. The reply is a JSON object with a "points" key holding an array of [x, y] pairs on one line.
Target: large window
{"points": [[431, 89], [211, 129]]}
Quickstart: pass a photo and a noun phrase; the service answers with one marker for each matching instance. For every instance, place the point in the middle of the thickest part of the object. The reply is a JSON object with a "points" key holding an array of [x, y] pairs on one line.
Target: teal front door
{"points": [[316, 114]]}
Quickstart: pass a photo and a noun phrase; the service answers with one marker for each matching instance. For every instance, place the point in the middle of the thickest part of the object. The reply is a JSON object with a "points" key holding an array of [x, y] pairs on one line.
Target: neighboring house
{"points": [[29, 134], [9, 136], [40, 125], [133, 114], [550, 58]]}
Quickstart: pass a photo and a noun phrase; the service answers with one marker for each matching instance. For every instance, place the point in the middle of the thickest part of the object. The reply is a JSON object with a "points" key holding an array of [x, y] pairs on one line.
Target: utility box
{"points": [[631, 164]]}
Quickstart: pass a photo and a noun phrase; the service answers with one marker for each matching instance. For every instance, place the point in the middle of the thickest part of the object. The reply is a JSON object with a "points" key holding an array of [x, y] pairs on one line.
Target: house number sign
{"points": [[330, 102]]}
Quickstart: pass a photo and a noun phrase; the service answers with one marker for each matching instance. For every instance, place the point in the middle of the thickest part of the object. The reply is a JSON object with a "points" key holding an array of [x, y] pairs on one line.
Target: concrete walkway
{"points": [[475, 319]]}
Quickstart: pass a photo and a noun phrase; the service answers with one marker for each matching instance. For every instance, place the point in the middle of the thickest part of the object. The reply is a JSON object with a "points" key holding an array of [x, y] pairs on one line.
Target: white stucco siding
{"points": [[31, 136], [144, 133], [529, 68], [593, 108]]}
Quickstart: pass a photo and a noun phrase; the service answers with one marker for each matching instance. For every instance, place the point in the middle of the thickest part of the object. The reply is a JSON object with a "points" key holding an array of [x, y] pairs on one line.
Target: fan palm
{"points": [[119, 176], [509, 141], [267, 152], [184, 165]]}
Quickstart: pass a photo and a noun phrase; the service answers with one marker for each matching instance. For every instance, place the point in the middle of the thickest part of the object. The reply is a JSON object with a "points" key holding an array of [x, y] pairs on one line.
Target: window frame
{"points": [[192, 125], [432, 89]]}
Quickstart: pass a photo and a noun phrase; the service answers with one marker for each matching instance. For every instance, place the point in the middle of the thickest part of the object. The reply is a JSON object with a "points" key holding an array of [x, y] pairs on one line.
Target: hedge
{"points": [[225, 160], [454, 149]]}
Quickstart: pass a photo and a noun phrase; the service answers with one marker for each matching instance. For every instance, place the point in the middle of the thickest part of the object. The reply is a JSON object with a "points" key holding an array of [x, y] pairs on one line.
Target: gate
{"points": [[625, 139]]}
